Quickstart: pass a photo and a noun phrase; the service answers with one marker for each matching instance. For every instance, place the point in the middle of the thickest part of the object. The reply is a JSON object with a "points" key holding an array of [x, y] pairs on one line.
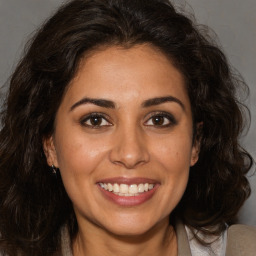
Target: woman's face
{"points": [[123, 140]]}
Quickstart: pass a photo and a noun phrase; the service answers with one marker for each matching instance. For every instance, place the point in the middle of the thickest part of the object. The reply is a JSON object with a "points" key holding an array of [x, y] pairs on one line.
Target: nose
{"points": [[130, 149]]}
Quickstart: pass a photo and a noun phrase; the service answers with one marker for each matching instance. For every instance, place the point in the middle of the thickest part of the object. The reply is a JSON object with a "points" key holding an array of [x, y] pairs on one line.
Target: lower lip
{"points": [[129, 200]]}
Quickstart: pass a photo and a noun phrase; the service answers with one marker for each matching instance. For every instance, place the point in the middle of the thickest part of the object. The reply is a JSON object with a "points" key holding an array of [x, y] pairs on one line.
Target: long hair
{"points": [[33, 202]]}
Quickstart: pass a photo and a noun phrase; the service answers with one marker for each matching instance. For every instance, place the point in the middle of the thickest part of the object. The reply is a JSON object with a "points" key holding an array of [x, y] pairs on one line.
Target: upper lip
{"points": [[128, 181]]}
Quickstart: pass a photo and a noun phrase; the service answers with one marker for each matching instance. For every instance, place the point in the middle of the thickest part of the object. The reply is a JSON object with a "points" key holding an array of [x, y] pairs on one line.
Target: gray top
{"points": [[237, 240], [187, 245]]}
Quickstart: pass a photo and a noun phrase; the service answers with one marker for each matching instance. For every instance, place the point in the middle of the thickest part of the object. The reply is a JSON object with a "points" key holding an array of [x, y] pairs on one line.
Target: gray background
{"points": [[234, 21]]}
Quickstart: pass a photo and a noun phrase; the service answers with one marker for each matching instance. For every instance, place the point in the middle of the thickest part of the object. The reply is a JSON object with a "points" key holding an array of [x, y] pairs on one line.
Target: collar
{"points": [[182, 238], [183, 243]]}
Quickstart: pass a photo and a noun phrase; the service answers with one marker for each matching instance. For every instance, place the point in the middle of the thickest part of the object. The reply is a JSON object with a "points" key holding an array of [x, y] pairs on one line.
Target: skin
{"points": [[131, 140]]}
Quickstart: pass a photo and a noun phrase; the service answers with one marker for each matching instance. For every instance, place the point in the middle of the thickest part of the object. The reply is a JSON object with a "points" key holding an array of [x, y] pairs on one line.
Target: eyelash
{"points": [[95, 115], [170, 120]]}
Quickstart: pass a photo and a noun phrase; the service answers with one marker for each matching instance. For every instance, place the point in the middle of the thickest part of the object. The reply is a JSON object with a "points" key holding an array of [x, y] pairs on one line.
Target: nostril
{"points": [[129, 159], [130, 147]]}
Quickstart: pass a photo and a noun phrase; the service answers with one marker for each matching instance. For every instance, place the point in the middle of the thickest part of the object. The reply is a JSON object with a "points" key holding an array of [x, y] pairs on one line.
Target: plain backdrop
{"points": [[234, 21]]}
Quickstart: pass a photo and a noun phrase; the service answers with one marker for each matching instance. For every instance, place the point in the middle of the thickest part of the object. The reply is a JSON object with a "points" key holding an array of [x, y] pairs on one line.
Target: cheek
{"points": [[175, 163], [80, 154], [174, 157], [80, 159], [174, 152]]}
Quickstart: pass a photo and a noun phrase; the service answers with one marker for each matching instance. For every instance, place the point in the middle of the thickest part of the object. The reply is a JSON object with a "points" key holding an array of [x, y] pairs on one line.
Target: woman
{"points": [[120, 137]]}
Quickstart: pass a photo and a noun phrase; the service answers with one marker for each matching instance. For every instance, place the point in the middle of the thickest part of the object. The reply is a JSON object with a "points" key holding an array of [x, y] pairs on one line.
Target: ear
{"points": [[196, 144], [50, 151]]}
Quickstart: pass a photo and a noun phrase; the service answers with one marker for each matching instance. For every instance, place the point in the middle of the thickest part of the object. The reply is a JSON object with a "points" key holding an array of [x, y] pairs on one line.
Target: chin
{"points": [[130, 231], [131, 227]]}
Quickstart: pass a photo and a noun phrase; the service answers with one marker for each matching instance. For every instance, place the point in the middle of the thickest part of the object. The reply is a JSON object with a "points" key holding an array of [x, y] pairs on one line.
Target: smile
{"points": [[127, 190]]}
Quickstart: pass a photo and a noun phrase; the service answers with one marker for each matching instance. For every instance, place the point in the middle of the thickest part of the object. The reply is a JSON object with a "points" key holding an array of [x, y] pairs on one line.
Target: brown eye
{"points": [[161, 120], [158, 120], [95, 121]]}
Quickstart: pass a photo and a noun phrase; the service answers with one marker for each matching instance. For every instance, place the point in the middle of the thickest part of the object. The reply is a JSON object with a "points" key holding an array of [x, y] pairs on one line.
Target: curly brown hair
{"points": [[33, 202]]}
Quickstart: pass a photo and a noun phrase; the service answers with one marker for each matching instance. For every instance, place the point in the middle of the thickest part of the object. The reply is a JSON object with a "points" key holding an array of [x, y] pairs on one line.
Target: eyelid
{"points": [[169, 116], [85, 118]]}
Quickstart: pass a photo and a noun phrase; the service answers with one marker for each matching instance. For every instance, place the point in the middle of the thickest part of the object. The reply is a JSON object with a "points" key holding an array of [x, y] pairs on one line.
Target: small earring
{"points": [[54, 169]]}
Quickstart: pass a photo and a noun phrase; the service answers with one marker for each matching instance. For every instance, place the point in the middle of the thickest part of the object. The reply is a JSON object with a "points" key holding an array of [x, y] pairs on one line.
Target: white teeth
{"points": [[141, 188], [122, 194], [150, 186], [127, 190], [124, 188], [110, 187], [133, 189], [116, 188]]}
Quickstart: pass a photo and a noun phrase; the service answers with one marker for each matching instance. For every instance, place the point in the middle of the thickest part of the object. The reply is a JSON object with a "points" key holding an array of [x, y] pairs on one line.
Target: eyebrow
{"points": [[98, 102], [110, 104], [161, 100]]}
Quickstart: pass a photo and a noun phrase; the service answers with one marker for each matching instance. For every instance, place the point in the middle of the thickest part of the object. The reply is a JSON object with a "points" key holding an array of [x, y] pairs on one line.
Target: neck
{"points": [[160, 240]]}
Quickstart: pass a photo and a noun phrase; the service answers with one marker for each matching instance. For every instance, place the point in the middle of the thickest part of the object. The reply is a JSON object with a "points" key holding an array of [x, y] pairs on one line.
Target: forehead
{"points": [[137, 73]]}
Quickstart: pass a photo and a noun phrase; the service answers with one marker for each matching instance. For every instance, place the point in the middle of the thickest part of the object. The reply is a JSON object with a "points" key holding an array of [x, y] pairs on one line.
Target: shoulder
{"points": [[241, 240]]}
